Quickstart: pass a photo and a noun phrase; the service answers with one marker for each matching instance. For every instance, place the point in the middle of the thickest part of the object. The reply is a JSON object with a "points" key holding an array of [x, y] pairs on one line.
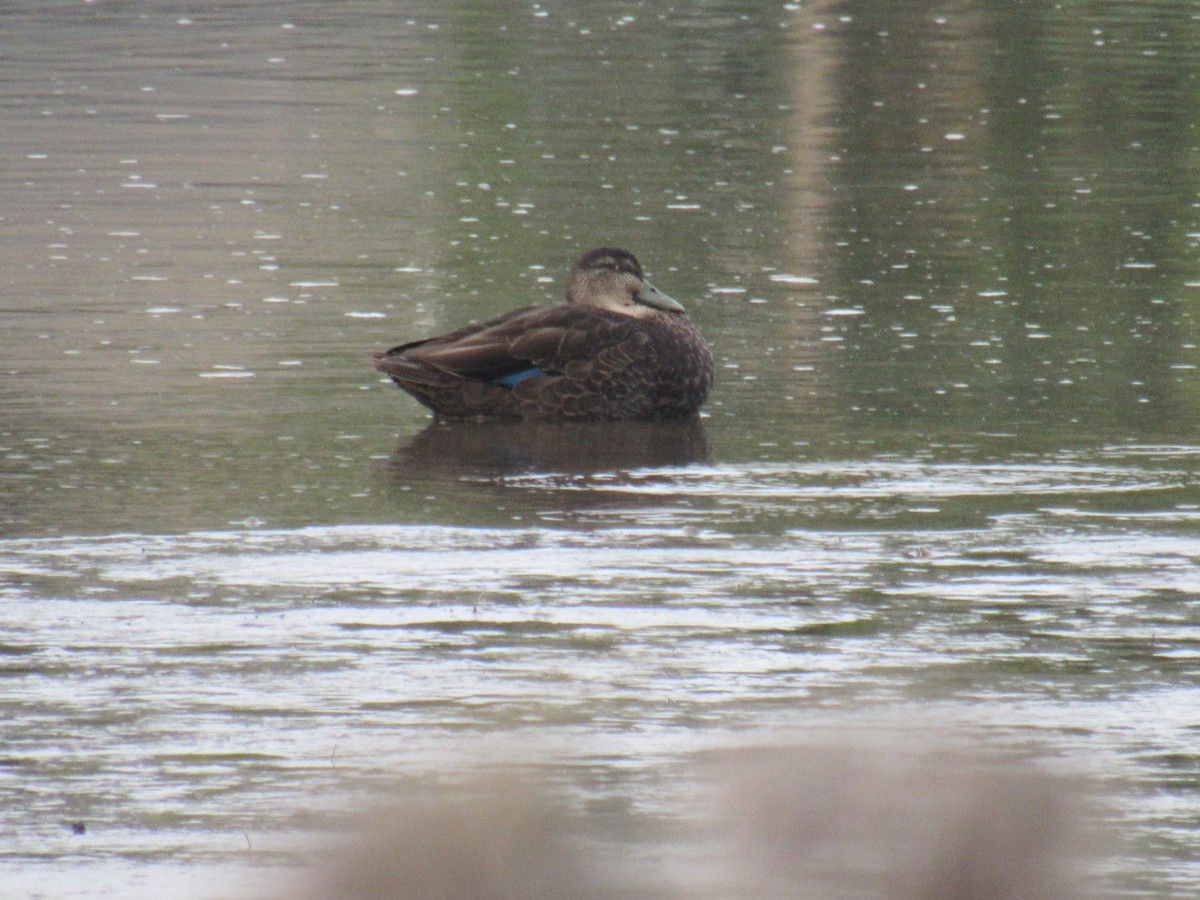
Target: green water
{"points": [[946, 258]]}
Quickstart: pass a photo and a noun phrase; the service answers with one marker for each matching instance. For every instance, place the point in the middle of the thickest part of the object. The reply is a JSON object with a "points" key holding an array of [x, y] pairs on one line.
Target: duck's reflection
{"points": [[482, 449]]}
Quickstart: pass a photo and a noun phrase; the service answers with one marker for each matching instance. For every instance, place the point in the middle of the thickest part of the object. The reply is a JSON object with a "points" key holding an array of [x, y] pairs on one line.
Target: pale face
{"points": [[612, 279]]}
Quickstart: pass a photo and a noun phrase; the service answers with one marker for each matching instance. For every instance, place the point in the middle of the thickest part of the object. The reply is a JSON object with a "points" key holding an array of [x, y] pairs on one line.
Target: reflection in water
{"points": [[482, 449]]}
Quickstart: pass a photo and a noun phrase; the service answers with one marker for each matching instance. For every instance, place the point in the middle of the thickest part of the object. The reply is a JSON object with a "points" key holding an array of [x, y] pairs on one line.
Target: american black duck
{"points": [[618, 349]]}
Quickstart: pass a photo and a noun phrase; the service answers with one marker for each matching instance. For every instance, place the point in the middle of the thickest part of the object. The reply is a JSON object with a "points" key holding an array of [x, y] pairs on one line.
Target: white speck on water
{"points": [[226, 374]]}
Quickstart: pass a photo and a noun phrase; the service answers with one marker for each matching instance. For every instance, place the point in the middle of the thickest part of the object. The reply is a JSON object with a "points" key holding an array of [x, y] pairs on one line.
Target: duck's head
{"points": [[611, 278]]}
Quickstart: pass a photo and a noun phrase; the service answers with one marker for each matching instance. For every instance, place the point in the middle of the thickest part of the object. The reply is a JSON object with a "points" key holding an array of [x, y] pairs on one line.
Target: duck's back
{"points": [[561, 362]]}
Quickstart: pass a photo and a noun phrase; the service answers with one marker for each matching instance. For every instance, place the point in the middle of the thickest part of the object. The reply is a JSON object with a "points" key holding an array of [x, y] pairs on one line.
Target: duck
{"points": [[618, 349]]}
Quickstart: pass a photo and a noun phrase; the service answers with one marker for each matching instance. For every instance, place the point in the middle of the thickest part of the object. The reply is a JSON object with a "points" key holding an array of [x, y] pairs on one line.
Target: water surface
{"points": [[946, 260]]}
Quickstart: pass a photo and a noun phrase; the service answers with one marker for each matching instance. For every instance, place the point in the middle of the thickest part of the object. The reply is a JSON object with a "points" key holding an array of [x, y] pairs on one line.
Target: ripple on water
{"points": [[213, 668]]}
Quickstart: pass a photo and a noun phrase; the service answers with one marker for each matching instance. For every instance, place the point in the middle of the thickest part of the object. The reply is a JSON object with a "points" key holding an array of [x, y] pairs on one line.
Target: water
{"points": [[948, 473]]}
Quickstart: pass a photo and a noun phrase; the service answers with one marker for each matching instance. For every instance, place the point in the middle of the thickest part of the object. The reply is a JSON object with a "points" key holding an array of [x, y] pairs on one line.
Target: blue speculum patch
{"points": [[511, 380]]}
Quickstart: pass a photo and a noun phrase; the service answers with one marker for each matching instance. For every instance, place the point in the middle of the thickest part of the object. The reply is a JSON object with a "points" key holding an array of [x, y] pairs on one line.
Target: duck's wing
{"points": [[534, 340]]}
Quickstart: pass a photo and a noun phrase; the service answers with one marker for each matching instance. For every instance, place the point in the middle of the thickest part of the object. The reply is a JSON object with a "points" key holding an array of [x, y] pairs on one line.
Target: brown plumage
{"points": [[617, 349]]}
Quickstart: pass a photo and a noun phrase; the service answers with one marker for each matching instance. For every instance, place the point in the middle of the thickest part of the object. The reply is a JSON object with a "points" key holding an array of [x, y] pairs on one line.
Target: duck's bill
{"points": [[652, 296]]}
